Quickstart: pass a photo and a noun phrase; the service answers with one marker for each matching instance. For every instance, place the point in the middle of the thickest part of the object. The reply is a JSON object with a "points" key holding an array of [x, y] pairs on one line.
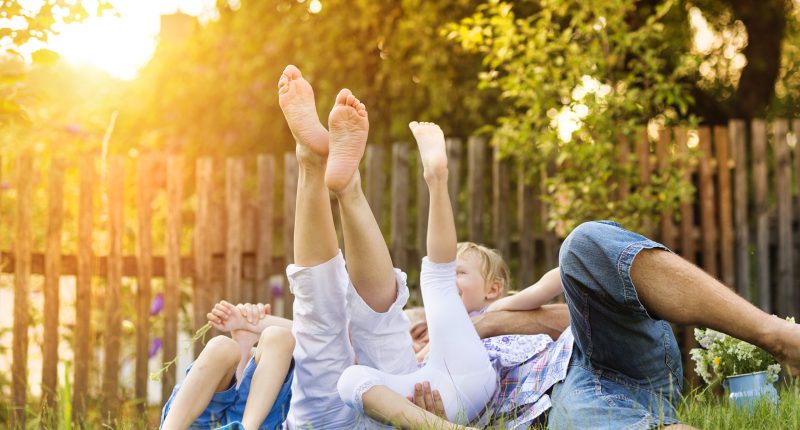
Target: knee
{"points": [[221, 349], [353, 382], [277, 338], [583, 244]]}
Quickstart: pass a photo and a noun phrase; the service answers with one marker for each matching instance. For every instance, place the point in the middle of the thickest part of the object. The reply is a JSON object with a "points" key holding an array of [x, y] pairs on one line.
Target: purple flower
{"points": [[73, 128], [5, 185], [155, 346], [277, 290], [157, 305]]}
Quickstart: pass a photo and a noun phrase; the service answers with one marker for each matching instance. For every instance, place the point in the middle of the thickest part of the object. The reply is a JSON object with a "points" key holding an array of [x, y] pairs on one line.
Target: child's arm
{"points": [[253, 318], [533, 297]]}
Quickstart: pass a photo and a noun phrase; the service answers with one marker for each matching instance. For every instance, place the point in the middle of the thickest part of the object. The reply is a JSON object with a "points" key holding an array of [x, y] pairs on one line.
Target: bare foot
{"points": [[349, 127], [432, 149], [296, 98]]}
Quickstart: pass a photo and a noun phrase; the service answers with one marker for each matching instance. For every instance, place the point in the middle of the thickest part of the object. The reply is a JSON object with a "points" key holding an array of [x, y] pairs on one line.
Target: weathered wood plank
{"points": [[399, 209], [501, 191], [454, 151], [23, 243], [55, 222], [423, 205], [761, 190], [476, 162], [144, 248], [738, 137], [549, 238], [726, 247], [233, 249], [203, 297], [375, 180], [526, 217], [265, 213], [645, 172], [173, 270], [786, 299], [667, 224], [290, 200], [113, 301], [708, 219], [83, 294]]}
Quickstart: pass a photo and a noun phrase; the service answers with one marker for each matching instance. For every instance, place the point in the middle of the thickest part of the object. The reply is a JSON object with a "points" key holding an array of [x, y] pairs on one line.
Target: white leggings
{"points": [[458, 364]]}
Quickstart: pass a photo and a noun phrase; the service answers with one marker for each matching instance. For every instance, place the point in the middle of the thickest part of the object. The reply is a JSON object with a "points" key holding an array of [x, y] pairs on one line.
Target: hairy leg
{"points": [[680, 292], [273, 358], [212, 372], [368, 260]]}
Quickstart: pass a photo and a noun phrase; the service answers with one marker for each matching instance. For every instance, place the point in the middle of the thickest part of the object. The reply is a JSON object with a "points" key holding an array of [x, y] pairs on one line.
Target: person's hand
{"points": [[225, 317], [428, 399], [254, 312], [419, 335], [422, 353]]}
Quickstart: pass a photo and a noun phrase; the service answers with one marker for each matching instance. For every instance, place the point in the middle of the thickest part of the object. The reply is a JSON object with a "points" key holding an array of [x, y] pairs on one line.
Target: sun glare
{"points": [[120, 44]]}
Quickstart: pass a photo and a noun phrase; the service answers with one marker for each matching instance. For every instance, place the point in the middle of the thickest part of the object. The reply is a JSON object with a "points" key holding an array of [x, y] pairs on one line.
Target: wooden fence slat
{"points": [[83, 294], [400, 198], [786, 299], [454, 150], [265, 191], [726, 247], [796, 235], [144, 262], [172, 277], [113, 314], [233, 250], [501, 190], [423, 205], [55, 215], [22, 287], [738, 136], [375, 180], [203, 298], [708, 224], [760, 189], [476, 162], [667, 226], [525, 219], [549, 238], [645, 172], [289, 199]]}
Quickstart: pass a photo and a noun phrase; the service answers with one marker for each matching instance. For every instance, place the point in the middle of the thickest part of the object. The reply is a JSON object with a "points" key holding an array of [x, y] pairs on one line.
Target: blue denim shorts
{"points": [[228, 406], [625, 371]]}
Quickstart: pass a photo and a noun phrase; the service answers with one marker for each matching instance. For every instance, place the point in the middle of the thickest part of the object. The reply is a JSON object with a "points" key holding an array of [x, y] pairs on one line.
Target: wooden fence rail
{"points": [[743, 227]]}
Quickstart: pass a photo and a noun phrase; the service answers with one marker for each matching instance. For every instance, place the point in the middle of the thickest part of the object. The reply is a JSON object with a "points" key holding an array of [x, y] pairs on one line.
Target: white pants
{"points": [[325, 305], [458, 364]]}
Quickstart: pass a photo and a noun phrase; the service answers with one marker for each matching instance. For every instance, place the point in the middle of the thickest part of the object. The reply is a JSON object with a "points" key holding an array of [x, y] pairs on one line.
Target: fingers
{"points": [[438, 403], [428, 397], [418, 397], [261, 312], [268, 309]]}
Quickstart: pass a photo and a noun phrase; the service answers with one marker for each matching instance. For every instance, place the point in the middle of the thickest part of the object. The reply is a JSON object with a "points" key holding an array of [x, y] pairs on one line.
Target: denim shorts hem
{"points": [[624, 264]]}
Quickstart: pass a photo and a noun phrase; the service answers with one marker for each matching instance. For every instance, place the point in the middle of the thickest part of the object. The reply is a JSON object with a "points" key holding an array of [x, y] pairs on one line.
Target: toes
{"points": [[292, 72], [412, 125], [341, 98], [352, 101]]}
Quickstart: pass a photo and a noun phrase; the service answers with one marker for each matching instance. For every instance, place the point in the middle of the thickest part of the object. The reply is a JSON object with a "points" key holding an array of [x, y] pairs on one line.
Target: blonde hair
{"points": [[493, 267]]}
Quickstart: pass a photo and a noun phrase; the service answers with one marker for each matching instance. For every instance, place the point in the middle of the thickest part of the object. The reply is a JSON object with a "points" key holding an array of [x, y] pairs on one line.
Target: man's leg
{"points": [[318, 277], [678, 291], [207, 390], [378, 328]]}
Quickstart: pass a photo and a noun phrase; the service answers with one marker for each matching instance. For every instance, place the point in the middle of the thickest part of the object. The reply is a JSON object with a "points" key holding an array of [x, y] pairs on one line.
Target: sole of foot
{"points": [[432, 148], [349, 128], [296, 98]]}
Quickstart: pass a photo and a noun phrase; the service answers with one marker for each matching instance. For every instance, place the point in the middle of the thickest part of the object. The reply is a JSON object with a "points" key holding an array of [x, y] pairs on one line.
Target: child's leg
{"points": [[273, 359], [378, 328], [211, 373], [318, 277]]}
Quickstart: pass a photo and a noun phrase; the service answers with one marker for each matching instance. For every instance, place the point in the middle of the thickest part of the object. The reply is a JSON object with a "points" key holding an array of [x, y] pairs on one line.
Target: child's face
{"points": [[470, 282]]}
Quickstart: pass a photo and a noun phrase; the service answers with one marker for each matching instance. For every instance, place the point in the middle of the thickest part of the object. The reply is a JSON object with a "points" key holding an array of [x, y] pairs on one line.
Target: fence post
{"points": [[375, 180], [762, 213], [289, 206], [707, 216], [22, 279], [664, 157], [476, 161], [725, 204], [55, 215], [172, 270], [423, 205], [233, 248], [83, 294], [783, 172], [645, 172], [526, 213], [113, 313], [265, 191], [454, 149], [399, 209], [737, 132], [501, 189], [203, 297], [144, 276]]}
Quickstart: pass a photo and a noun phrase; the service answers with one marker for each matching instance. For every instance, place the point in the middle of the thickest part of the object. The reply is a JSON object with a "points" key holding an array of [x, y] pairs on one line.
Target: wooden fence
{"points": [[742, 228]]}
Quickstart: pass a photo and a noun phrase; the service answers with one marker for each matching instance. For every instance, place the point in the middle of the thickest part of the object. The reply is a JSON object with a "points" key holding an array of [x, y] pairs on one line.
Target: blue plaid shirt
{"points": [[527, 366]]}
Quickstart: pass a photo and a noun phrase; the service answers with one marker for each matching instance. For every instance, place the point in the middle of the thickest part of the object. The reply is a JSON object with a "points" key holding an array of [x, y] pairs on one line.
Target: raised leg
{"points": [[273, 358]]}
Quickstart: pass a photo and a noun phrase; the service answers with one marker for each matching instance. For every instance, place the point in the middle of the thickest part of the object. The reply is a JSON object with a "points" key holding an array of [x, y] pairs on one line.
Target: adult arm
{"points": [[551, 320]]}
